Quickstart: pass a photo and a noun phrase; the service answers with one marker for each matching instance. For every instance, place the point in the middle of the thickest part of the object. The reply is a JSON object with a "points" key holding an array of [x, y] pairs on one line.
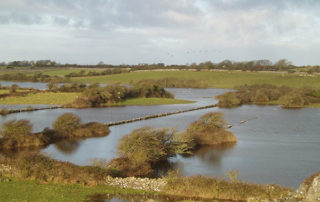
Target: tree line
{"points": [[253, 65]]}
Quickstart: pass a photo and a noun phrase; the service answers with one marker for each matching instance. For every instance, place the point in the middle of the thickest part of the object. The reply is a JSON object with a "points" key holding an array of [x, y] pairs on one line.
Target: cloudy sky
{"points": [[152, 31]]}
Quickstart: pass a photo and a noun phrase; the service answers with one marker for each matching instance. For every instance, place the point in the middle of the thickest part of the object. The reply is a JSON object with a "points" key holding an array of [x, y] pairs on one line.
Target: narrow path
{"points": [[5, 112], [158, 115]]}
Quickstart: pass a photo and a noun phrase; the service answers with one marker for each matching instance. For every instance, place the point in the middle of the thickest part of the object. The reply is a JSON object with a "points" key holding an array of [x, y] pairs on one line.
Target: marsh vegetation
{"points": [[286, 96], [17, 134]]}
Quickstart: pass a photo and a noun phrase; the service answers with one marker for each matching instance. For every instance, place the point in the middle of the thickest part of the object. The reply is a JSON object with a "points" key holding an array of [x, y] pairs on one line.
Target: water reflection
{"points": [[280, 146], [213, 154], [141, 198], [68, 147]]}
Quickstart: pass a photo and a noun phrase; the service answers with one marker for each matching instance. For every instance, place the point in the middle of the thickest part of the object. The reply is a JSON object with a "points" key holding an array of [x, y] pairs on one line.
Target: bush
{"points": [[261, 96], [184, 143], [16, 129], [210, 130], [4, 111], [126, 167], [66, 123], [207, 122], [13, 88], [228, 100], [146, 145]]}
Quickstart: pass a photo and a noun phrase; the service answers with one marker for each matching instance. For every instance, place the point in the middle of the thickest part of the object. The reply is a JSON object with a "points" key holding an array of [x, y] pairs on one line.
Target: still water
{"points": [[274, 145], [36, 85]]}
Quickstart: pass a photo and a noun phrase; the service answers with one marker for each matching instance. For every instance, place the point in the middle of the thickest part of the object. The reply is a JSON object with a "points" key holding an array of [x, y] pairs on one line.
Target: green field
{"points": [[51, 98], [50, 72], [152, 101], [48, 98], [27, 190], [63, 72], [214, 79], [4, 91]]}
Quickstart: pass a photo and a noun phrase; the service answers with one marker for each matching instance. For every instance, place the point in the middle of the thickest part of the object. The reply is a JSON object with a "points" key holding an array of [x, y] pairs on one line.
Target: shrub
{"points": [[13, 88], [146, 145], [4, 111], [210, 130], [66, 123], [16, 129], [209, 121], [261, 96], [52, 85], [228, 100], [184, 143], [126, 167]]}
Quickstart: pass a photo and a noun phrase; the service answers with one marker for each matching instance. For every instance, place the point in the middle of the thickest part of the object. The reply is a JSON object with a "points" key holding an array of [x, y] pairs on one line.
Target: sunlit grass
{"points": [[48, 98], [27, 190], [214, 79]]}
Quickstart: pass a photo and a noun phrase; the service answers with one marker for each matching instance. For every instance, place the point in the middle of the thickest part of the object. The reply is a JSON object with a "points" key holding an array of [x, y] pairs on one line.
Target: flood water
{"points": [[36, 85], [274, 146]]}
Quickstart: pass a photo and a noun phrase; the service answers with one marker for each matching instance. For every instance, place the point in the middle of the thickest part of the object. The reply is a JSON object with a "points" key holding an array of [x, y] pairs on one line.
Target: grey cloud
{"points": [[20, 18], [160, 26]]}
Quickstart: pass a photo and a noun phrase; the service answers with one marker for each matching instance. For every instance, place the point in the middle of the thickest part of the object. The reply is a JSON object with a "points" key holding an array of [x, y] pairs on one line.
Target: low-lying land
{"points": [[17, 134], [265, 94], [51, 98], [142, 151], [78, 96], [48, 98], [213, 79], [204, 78], [57, 175], [13, 189]]}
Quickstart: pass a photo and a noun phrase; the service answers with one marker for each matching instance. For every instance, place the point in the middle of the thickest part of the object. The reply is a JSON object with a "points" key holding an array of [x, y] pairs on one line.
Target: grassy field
{"points": [[48, 98], [50, 72], [4, 91], [27, 190], [153, 101], [214, 79], [62, 72]]}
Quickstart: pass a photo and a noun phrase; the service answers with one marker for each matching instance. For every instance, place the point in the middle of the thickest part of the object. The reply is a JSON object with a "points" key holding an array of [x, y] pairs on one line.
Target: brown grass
{"points": [[215, 137], [127, 168], [210, 188], [44, 169]]}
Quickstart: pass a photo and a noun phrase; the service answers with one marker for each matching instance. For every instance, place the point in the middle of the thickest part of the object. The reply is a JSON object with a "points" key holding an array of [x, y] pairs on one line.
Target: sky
{"points": [[160, 31]]}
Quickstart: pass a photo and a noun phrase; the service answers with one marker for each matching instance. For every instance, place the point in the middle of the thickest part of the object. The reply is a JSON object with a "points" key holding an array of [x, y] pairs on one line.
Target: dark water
{"points": [[140, 198], [274, 145]]}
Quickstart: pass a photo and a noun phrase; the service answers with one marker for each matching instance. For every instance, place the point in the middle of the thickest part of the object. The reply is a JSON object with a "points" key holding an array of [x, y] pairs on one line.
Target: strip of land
{"points": [[214, 79], [60, 98]]}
